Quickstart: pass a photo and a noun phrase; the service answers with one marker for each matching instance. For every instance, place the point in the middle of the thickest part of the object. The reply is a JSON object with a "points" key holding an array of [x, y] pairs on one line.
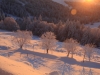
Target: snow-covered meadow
{"points": [[33, 60]]}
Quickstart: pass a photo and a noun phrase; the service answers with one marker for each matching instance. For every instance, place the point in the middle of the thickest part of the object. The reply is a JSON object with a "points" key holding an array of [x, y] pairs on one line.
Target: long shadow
{"points": [[3, 48], [2, 72], [90, 64], [70, 61], [35, 53], [85, 64]]}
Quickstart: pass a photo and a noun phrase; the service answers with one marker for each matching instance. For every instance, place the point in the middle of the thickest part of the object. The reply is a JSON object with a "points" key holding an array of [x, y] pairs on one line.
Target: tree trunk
{"points": [[21, 46], [72, 55], [47, 51], [89, 59], [83, 57], [68, 54]]}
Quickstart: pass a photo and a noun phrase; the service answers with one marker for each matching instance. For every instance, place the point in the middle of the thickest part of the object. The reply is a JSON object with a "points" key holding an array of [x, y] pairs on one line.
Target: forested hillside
{"points": [[49, 10], [40, 16]]}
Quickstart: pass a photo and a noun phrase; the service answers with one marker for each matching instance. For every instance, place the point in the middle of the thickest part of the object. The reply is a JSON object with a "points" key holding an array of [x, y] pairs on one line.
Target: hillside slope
{"points": [[16, 68], [37, 62], [49, 9]]}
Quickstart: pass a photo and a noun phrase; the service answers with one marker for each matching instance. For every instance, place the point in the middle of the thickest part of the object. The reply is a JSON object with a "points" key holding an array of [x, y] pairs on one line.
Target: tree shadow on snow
{"points": [[43, 55], [67, 60], [2, 72], [4, 48], [36, 59], [90, 64], [72, 61]]}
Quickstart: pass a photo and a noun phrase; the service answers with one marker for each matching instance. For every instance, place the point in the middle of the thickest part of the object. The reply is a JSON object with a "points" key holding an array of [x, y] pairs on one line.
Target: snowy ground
{"points": [[35, 61], [60, 2], [63, 1], [95, 25], [16, 68]]}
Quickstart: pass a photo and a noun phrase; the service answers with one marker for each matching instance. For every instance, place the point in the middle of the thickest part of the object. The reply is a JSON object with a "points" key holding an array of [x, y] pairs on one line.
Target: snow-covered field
{"points": [[35, 61]]}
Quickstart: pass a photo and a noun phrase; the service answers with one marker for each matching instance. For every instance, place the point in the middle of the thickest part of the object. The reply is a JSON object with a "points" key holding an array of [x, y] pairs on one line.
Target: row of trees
{"points": [[71, 47], [49, 42], [62, 30]]}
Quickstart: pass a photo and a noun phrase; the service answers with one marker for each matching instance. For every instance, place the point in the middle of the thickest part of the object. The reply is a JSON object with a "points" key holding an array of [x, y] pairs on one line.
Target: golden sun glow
{"points": [[89, 1]]}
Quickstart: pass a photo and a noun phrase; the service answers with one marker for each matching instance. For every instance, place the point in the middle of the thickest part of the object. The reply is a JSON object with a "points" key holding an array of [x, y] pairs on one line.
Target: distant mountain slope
{"points": [[49, 9]]}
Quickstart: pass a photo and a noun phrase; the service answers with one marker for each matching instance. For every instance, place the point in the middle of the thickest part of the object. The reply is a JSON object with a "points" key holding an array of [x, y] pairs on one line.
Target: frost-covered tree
{"points": [[24, 23], [40, 18], [84, 53], [10, 24], [67, 46], [89, 52], [48, 40], [22, 38], [40, 27], [71, 46], [86, 38]]}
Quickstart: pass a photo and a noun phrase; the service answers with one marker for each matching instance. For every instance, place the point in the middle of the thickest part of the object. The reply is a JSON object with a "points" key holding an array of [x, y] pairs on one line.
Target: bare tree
{"points": [[89, 51], [48, 41], [71, 46], [22, 37]]}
